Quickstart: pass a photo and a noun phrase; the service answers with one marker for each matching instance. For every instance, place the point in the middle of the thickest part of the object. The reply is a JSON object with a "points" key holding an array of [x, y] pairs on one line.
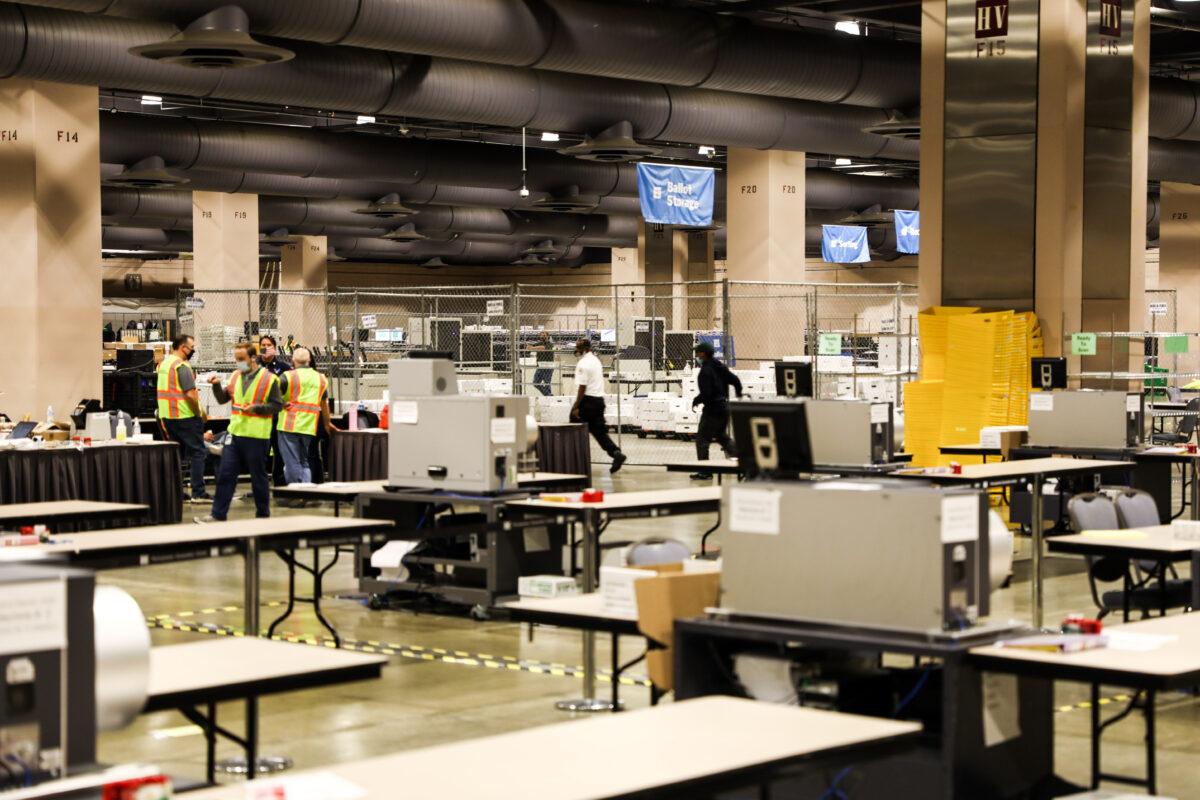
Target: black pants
{"points": [[714, 427], [591, 411], [243, 454], [189, 433]]}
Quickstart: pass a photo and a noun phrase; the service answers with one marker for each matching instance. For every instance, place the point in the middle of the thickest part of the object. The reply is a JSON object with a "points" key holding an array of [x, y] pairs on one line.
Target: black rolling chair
{"points": [[1097, 512], [1187, 426]]}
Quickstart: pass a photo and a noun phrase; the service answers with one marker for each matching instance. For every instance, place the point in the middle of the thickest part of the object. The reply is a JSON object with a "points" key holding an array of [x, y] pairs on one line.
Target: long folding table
{"points": [[55, 512], [689, 749], [199, 675], [594, 518]]}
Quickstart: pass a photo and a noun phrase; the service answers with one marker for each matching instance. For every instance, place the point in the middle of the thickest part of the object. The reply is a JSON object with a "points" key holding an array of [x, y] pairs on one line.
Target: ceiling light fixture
{"points": [[849, 27], [707, 150], [547, 136], [524, 189], [842, 162], [151, 100], [365, 119]]}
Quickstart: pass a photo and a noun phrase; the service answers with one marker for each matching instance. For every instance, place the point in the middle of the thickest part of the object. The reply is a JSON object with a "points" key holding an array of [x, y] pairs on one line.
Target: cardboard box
{"points": [[1005, 437], [664, 598], [546, 586]]}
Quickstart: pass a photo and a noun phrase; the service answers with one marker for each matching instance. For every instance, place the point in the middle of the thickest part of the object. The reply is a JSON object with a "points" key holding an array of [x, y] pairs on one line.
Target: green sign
{"points": [[1083, 344], [1175, 344], [830, 344]]}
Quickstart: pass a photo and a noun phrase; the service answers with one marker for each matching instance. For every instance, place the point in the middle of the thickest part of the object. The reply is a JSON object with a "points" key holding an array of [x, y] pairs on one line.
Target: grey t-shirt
{"points": [[187, 377]]}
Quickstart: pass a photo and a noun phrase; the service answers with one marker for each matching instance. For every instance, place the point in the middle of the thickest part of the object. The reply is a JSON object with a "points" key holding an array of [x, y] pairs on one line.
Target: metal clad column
{"points": [[1179, 258], [304, 265], [225, 245]]}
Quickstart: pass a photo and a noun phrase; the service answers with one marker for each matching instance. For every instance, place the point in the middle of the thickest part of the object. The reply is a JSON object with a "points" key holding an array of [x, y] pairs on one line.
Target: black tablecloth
{"points": [[129, 473], [564, 448], [358, 456]]}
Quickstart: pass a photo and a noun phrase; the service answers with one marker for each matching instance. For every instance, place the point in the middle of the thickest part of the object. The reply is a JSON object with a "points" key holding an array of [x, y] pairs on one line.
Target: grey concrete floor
{"points": [[421, 702]]}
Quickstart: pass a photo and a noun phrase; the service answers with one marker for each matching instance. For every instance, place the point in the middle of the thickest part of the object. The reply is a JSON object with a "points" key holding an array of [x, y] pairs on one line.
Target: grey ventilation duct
{"points": [[567, 201], [149, 173], [218, 40], [278, 237], [614, 145], [386, 207], [367, 82], [405, 233]]}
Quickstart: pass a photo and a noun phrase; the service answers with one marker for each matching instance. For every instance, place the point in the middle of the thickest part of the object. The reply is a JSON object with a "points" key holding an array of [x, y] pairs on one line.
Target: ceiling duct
{"points": [[870, 217], [897, 126], [405, 233], [543, 248], [568, 201], [529, 261], [279, 237], [386, 207], [218, 40], [149, 173], [614, 145]]}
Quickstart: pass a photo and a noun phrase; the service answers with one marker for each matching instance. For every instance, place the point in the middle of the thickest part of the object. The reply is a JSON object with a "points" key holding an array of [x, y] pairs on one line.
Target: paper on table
{"points": [[1133, 642], [1001, 722], [1163, 451], [1129, 534], [318, 786]]}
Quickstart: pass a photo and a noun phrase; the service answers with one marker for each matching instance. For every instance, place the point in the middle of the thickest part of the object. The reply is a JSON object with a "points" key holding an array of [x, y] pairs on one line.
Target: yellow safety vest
{"points": [[171, 399], [302, 406], [242, 422]]}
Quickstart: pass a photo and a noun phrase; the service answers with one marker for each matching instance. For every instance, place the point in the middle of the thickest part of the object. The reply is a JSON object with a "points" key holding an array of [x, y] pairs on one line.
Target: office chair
{"points": [[1187, 426], [650, 552], [1137, 509], [1096, 512]]}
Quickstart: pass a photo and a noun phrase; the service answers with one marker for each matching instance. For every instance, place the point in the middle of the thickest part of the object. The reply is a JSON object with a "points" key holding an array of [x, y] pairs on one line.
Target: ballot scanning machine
{"points": [[1086, 419], [839, 432], [439, 439]]}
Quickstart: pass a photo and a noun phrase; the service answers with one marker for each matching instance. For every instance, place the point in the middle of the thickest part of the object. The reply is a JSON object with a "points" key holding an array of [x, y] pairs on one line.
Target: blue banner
{"points": [[844, 244], [908, 231], [677, 195]]}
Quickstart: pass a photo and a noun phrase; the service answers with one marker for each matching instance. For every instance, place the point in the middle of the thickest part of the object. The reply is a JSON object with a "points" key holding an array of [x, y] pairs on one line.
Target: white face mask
{"points": [[243, 366]]}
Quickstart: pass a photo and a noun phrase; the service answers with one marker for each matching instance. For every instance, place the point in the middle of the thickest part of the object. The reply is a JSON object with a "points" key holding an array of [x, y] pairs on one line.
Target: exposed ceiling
{"points": [[435, 100]]}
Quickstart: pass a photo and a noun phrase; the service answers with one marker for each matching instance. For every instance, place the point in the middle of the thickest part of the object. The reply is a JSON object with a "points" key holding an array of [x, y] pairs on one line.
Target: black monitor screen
{"points": [[1049, 373], [772, 438], [793, 379]]}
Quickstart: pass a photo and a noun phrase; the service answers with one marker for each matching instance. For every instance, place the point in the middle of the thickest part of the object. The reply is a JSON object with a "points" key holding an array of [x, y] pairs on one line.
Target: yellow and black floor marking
{"points": [[230, 609], [416, 652], [1087, 704]]}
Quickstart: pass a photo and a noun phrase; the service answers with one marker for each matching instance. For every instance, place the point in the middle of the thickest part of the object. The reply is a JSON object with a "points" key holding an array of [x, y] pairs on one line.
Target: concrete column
{"points": [[225, 250], [629, 274], [765, 216], [1179, 259], [663, 254], [304, 266], [703, 304], [50, 227]]}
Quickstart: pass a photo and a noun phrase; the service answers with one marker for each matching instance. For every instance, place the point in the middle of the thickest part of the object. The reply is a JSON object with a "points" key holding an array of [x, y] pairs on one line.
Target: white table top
{"points": [[355, 488], [216, 663], [55, 509], [1159, 538], [625, 500], [712, 463], [590, 604], [184, 533], [1179, 656], [607, 755]]}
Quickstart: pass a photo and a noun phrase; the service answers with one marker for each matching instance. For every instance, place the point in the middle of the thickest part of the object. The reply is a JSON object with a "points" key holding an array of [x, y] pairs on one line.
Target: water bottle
{"points": [[354, 418], [49, 415], [121, 432], [137, 427]]}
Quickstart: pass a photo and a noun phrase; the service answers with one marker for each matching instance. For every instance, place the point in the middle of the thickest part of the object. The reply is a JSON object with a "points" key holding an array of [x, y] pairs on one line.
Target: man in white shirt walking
{"points": [[589, 401]]}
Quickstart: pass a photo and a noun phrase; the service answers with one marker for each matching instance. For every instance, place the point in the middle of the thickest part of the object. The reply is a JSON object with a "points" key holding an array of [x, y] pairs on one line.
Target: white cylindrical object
{"points": [[1000, 556], [531, 432], [122, 658]]}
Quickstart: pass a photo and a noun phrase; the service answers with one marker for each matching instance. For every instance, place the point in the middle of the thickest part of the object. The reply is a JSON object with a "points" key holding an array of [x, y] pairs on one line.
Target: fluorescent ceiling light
{"points": [[151, 100], [364, 119], [547, 136], [707, 150], [842, 162], [846, 26]]}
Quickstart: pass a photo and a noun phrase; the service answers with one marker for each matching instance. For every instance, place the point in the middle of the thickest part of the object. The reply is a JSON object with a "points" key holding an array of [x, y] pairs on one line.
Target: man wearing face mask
{"points": [[256, 400], [713, 382], [179, 410], [272, 361]]}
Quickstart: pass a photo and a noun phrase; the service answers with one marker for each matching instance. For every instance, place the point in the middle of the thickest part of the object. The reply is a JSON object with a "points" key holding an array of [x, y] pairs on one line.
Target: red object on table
{"points": [[1077, 623], [955, 468], [385, 415], [153, 788], [593, 496]]}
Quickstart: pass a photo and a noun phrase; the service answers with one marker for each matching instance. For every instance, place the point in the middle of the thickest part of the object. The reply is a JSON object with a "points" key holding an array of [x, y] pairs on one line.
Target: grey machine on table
{"points": [[849, 432], [1086, 419]]}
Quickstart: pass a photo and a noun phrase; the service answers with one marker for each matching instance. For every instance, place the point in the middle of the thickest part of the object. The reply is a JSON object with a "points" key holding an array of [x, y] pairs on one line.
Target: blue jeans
{"points": [[294, 449], [243, 454], [189, 433]]}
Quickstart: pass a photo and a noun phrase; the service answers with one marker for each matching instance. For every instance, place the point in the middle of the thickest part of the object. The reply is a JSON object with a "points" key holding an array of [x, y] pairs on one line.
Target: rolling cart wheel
{"points": [[480, 613], [377, 602]]}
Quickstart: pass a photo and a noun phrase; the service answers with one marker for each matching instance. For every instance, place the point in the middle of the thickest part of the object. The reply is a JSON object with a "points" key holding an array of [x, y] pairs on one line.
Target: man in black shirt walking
{"points": [[713, 383]]}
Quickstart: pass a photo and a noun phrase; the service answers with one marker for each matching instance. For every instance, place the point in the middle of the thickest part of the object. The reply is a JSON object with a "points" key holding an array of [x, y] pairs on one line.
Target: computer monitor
{"points": [[608, 335], [793, 379], [1049, 373], [772, 438]]}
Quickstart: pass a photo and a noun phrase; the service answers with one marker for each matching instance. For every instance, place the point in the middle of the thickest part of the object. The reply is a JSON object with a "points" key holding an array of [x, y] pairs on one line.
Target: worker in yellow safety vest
{"points": [[254, 393], [305, 405], [179, 411]]}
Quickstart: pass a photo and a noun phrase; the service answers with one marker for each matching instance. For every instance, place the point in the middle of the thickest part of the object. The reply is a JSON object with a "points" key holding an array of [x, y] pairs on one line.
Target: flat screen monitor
{"points": [[793, 379], [772, 438], [1049, 373]]}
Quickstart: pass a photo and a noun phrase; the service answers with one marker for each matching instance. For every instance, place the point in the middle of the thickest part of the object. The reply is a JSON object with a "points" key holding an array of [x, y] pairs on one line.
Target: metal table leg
{"points": [[252, 567], [1195, 501], [1035, 542], [591, 548]]}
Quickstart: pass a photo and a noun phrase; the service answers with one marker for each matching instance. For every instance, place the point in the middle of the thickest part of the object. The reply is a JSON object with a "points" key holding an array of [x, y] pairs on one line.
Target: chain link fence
{"points": [[520, 338]]}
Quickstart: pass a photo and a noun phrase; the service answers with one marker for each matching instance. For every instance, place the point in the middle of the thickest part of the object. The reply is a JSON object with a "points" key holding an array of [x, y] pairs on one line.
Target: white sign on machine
{"points": [[754, 511], [33, 617]]}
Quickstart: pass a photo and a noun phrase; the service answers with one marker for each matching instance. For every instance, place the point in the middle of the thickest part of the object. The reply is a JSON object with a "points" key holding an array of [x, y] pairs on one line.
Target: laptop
{"points": [[23, 430]]}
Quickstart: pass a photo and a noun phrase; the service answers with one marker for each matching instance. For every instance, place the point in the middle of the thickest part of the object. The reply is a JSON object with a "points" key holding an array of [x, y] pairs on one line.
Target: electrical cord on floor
{"points": [[917, 687], [834, 792]]}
